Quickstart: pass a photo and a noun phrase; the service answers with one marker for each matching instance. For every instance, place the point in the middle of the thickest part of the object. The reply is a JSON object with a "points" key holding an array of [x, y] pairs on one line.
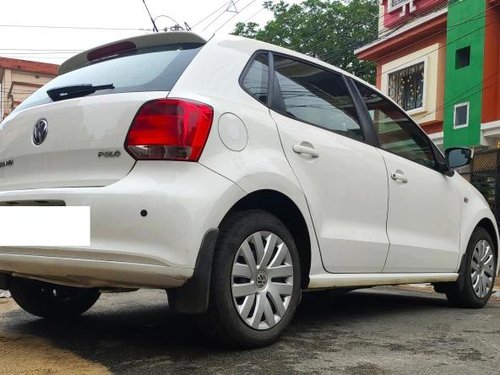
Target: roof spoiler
{"points": [[143, 41]]}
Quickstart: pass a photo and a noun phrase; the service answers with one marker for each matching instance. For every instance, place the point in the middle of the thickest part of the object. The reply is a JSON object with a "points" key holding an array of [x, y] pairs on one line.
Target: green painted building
{"points": [[464, 76], [442, 58]]}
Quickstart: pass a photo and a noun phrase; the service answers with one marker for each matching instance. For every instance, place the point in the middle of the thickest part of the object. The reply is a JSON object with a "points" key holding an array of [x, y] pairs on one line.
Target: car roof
{"points": [[256, 45]]}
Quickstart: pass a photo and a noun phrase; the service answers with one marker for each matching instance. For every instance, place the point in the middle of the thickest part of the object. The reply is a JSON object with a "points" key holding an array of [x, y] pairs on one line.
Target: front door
{"points": [[343, 178], [424, 210]]}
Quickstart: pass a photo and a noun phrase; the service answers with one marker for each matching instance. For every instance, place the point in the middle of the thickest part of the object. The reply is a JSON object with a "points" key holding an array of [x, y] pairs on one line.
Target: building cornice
{"points": [[29, 66], [411, 32]]}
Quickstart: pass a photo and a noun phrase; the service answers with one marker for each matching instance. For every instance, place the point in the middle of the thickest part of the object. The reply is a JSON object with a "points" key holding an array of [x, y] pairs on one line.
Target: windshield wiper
{"points": [[69, 92]]}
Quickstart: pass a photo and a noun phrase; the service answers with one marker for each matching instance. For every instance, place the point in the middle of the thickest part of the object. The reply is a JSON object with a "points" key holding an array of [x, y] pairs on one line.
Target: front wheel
{"points": [[477, 277], [255, 286], [51, 301]]}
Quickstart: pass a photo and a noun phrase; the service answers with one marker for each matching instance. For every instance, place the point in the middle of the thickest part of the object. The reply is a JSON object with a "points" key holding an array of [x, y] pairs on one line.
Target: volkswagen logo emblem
{"points": [[40, 131]]}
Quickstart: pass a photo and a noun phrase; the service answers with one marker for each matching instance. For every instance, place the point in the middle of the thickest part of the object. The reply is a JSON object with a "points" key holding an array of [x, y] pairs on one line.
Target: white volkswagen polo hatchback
{"points": [[234, 174]]}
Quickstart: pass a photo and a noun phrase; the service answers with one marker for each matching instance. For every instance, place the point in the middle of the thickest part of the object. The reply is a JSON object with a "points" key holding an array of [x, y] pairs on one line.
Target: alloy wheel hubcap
{"points": [[262, 280], [482, 269]]}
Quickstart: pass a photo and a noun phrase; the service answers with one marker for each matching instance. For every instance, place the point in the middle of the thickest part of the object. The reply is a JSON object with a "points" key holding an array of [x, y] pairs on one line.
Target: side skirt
{"points": [[330, 280]]}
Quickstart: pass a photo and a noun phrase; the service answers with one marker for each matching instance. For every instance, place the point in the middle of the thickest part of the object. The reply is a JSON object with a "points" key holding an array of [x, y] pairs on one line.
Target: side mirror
{"points": [[457, 157]]}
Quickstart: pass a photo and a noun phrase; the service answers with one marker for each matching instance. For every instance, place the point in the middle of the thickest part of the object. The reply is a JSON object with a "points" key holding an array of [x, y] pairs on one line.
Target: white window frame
{"points": [[464, 104], [424, 60], [391, 8]]}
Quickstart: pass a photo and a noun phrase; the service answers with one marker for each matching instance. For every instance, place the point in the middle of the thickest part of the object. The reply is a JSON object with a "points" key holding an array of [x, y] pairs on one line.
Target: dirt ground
{"points": [[374, 331], [28, 354]]}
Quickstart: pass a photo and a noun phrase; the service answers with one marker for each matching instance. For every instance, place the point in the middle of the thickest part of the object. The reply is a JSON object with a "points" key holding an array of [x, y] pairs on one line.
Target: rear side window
{"points": [[316, 96], [148, 69], [255, 79]]}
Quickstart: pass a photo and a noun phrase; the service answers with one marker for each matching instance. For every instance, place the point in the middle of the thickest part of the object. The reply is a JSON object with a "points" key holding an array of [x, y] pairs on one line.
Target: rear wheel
{"points": [[52, 301], [255, 286], [477, 277]]}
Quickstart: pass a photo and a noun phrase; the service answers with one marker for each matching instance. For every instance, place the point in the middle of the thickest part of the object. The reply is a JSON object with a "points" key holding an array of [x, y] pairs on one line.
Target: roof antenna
{"points": [[155, 29]]}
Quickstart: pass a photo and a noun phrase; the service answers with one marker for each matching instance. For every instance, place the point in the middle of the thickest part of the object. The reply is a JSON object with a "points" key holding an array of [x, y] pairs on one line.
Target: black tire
{"points": [[222, 323], [51, 301], [461, 293]]}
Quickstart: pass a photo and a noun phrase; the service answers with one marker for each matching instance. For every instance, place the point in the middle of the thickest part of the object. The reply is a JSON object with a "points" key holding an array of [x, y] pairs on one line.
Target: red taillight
{"points": [[110, 50], [169, 129]]}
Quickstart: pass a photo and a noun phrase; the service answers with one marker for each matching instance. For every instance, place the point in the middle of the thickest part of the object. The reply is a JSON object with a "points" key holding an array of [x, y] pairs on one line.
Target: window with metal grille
{"points": [[406, 86]]}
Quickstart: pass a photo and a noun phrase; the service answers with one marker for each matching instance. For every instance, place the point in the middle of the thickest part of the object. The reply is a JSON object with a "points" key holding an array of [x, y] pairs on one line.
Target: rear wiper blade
{"points": [[69, 92]]}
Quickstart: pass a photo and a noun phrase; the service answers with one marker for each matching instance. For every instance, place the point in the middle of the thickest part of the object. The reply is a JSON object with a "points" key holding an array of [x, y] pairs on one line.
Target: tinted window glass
{"points": [[256, 78], [395, 131], [316, 96], [154, 69], [461, 117]]}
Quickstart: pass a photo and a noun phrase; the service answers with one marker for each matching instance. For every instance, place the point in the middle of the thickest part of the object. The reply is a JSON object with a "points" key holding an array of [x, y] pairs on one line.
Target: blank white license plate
{"points": [[45, 226]]}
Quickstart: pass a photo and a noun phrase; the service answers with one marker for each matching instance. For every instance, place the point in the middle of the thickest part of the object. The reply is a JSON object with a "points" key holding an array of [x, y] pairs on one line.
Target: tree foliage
{"points": [[327, 29]]}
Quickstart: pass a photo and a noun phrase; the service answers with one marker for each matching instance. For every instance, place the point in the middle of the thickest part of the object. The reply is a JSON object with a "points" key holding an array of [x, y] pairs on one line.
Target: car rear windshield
{"points": [[148, 69]]}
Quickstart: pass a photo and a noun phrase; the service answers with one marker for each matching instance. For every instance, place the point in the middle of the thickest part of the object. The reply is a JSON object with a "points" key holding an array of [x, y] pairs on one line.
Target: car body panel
{"points": [[346, 187], [261, 164], [473, 209], [78, 131], [168, 238], [424, 219]]}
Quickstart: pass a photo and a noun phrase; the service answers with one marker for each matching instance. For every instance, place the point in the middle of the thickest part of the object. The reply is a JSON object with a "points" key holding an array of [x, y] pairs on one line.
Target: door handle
{"points": [[305, 148], [399, 176]]}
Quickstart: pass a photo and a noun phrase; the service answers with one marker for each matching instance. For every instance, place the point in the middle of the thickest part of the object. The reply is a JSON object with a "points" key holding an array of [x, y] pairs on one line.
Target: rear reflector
{"points": [[169, 129]]}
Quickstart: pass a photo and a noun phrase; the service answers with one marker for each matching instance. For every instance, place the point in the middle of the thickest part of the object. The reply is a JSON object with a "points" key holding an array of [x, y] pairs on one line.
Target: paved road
{"points": [[377, 331]]}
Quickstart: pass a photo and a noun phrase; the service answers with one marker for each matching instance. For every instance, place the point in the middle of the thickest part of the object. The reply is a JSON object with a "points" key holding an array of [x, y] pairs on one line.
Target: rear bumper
{"points": [[183, 201]]}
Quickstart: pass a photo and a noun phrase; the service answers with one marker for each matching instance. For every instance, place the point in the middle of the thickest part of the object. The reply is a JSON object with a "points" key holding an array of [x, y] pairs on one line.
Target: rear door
{"points": [[78, 140], [424, 208], [344, 179]]}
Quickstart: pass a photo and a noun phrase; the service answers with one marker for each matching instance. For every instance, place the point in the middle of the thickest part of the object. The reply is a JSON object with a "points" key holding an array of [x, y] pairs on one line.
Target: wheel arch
{"points": [[488, 225], [288, 212]]}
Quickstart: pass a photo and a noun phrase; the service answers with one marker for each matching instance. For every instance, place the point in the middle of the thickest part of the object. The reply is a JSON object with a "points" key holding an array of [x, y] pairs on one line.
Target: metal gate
{"points": [[484, 174]]}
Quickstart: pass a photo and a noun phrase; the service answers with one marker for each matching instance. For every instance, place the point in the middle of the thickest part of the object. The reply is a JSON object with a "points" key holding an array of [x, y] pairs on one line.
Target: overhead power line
{"points": [[210, 15], [75, 27], [386, 37], [220, 15], [40, 49], [468, 20], [253, 15], [438, 48], [35, 53], [242, 9]]}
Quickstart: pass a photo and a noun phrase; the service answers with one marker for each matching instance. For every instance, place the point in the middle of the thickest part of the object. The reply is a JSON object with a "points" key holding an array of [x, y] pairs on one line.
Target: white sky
{"points": [[56, 45]]}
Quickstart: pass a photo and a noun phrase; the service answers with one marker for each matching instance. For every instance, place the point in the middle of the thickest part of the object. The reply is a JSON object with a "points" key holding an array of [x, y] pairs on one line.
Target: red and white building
{"points": [[440, 61], [19, 79], [410, 37]]}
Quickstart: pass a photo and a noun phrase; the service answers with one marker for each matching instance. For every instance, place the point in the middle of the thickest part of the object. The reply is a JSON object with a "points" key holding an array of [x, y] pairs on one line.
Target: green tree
{"points": [[329, 30]]}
